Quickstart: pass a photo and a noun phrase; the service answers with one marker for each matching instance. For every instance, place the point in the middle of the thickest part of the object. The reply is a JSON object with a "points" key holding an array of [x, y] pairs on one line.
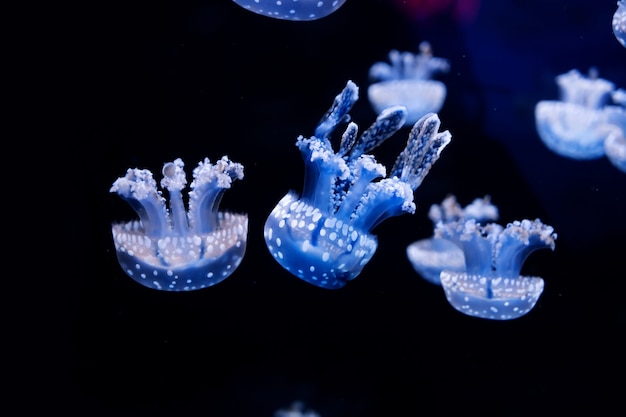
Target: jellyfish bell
{"points": [[297, 10], [174, 249], [615, 149], [407, 81]]}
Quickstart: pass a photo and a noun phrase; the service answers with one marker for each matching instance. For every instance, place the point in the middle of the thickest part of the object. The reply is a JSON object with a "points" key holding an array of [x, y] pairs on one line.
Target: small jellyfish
{"points": [[619, 22], [292, 9], [296, 409], [432, 255], [175, 249], [577, 126], [491, 286], [324, 235], [408, 82]]}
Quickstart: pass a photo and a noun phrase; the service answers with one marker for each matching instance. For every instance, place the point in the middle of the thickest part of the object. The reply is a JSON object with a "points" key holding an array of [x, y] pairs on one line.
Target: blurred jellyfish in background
{"points": [[175, 249], [461, 11], [296, 409], [432, 255], [292, 9], [407, 81], [577, 126], [491, 287], [324, 236], [619, 22]]}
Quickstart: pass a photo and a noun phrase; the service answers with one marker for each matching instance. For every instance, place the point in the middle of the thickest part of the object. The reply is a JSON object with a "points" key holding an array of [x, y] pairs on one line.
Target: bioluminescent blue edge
{"points": [[174, 249], [323, 236], [619, 22], [303, 10], [407, 81], [491, 286], [432, 255]]}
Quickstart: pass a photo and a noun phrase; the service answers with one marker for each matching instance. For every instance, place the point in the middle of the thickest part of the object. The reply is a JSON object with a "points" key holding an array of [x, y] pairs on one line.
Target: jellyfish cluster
{"points": [[478, 262], [176, 249], [407, 80], [323, 235], [432, 255], [589, 120], [298, 10]]}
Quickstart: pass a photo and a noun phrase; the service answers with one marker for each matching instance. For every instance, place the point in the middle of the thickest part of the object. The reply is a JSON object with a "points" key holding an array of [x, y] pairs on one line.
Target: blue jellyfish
{"points": [[178, 250], [491, 286], [296, 409], [292, 9], [619, 22], [408, 82], [324, 235], [432, 255], [577, 126]]}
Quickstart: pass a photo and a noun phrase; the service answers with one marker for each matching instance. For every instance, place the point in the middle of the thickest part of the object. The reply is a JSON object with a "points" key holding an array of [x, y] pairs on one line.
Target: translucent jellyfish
{"points": [[432, 255], [175, 249], [296, 409], [491, 287], [292, 9], [577, 126], [323, 236], [619, 22], [408, 82]]}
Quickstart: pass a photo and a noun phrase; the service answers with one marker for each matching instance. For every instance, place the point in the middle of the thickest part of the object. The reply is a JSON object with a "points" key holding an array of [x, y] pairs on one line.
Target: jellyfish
{"points": [[292, 9], [619, 22], [296, 409], [577, 126], [323, 236], [491, 286], [408, 82], [432, 255], [174, 249]]}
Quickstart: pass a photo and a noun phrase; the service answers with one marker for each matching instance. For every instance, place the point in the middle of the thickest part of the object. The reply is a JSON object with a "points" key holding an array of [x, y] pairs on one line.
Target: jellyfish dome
{"points": [[615, 149], [407, 81], [292, 9], [577, 125], [619, 22], [323, 236], [432, 255], [491, 286], [175, 249]]}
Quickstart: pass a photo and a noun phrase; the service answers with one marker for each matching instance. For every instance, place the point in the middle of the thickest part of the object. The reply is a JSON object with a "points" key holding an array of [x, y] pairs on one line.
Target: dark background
{"points": [[207, 78]]}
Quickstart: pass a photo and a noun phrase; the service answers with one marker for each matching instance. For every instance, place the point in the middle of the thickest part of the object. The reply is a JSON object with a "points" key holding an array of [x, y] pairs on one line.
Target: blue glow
{"points": [[323, 236], [491, 287], [432, 255], [407, 81], [619, 22], [292, 9], [175, 249], [577, 126]]}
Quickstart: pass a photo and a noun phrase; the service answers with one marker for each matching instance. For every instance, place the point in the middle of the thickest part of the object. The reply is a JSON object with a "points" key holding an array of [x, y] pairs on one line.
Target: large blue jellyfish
{"points": [[408, 82], [619, 22], [292, 9], [491, 286], [324, 236], [577, 126], [432, 255], [178, 250], [296, 409]]}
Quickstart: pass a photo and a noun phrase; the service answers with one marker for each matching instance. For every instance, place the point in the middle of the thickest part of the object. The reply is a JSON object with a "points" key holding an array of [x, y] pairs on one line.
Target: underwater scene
{"points": [[353, 208]]}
